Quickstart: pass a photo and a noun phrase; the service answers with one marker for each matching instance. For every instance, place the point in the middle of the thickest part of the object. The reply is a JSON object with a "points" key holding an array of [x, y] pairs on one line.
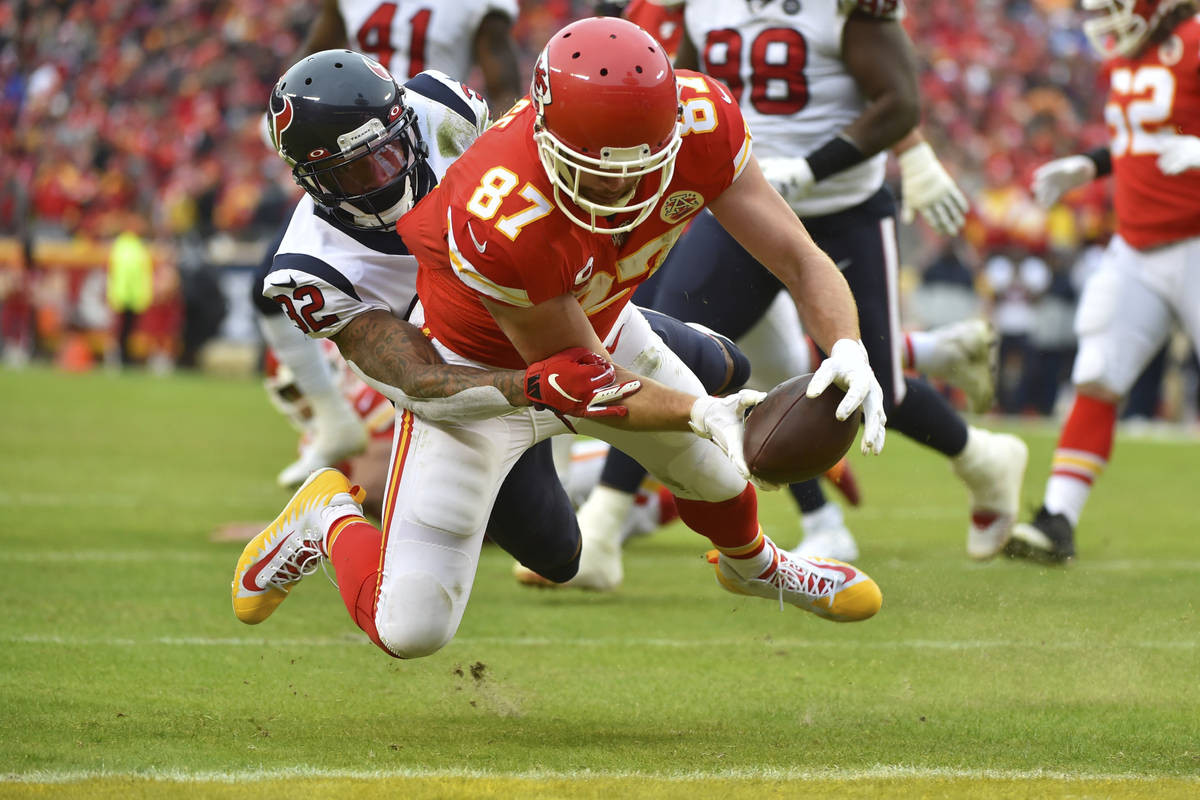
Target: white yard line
{"points": [[878, 772]]}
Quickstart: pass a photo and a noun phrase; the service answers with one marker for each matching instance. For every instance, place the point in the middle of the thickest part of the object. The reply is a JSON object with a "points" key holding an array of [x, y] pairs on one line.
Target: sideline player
{"points": [[532, 243], [835, 80], [407, 37], [1148, 274]]}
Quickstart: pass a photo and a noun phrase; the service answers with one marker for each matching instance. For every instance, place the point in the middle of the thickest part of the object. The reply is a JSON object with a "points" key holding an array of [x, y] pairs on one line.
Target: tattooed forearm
{"points": [[395, 352]]}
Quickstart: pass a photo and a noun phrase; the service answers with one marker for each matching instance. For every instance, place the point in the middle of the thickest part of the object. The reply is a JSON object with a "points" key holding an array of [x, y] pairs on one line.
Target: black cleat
{"points": [[1050, 538]]}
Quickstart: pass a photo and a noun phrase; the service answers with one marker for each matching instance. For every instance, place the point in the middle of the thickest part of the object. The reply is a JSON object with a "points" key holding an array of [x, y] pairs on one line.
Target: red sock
{"points": [[729, 524], [356, 551], [1086, 441]]}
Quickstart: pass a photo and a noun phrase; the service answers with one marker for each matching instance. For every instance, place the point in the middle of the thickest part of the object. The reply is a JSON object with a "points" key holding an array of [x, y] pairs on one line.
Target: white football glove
{"points": [[925, 186], [847, 366], [1055, 178], [791, 177], [1178, 154], [723, 420]]}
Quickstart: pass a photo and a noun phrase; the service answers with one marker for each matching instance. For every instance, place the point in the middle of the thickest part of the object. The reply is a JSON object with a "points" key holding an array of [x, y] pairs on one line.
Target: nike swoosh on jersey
{"points": [[478, 246], [582, 276], [291, 283], [552, 379]]}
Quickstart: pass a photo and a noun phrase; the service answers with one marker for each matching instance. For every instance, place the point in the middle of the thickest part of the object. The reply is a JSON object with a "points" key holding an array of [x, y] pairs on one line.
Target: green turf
{"points": [[120, 655]]}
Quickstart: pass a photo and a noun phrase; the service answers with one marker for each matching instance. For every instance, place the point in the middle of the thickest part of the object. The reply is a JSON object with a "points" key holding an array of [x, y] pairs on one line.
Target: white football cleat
{"points": [[292, 546], [966, 356], [827, 587], [335, 440], [826, 535], [992, 466]]}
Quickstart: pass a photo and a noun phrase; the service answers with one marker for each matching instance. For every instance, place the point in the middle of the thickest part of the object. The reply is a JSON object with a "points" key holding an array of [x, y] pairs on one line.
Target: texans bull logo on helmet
{"points": [[281, 118]]}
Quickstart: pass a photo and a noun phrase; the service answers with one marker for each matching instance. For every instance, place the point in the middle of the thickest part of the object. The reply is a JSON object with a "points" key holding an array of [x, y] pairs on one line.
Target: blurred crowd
{"points": [[144, 116]]}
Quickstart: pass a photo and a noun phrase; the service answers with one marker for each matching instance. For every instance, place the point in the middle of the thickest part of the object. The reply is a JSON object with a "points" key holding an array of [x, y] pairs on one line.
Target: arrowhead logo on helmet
{"points": [[540, 89]]}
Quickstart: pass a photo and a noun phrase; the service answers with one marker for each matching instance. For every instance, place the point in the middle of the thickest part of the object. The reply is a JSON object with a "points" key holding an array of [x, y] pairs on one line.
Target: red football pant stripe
{"points": [[358, 551]]}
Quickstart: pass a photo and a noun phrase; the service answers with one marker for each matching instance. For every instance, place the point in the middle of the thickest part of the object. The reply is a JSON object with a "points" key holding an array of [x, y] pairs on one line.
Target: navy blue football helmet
{"points": [[340, 120]]}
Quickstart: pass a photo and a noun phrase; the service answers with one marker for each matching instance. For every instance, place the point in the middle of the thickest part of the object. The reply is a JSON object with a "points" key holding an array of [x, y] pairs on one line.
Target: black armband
{"points": [[1102, 158], [837, 154]]}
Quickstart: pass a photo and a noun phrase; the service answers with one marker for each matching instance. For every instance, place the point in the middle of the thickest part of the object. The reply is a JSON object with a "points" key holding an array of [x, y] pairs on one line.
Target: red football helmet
{"points": [[1123, 26], [607, 105]]}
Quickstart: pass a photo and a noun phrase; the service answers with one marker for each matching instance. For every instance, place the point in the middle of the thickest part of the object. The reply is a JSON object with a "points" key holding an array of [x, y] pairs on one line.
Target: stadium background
{"points": [[123, 115]]}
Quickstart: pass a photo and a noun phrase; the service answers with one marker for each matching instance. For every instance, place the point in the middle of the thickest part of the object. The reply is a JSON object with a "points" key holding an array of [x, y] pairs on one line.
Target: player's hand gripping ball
{"points": [[791, 437]]}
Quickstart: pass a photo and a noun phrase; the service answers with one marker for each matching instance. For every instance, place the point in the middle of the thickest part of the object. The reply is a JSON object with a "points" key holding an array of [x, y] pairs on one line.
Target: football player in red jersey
{"points": [[529, 249], [766, 327], [1148, 276]]}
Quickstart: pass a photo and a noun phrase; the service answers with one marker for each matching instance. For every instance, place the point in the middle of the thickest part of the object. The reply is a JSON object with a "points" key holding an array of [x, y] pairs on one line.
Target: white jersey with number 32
{"points": [[411, 36], [783, 62], [324, 274]]}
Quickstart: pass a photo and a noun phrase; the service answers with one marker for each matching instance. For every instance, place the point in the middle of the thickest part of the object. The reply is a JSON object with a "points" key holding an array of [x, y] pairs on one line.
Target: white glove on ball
{"points": [[1055, 178], [1178, 154], [791, 177], [723, 420], [925, 186], [848, 367]]}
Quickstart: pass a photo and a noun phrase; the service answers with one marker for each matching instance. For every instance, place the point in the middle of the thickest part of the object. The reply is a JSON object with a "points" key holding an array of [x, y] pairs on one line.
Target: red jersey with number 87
{"points": [[491, 228], [1153, 95]]}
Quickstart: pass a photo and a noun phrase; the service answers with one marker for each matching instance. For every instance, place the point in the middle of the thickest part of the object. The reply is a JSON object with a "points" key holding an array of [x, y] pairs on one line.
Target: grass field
{"points": [[123, 672]]}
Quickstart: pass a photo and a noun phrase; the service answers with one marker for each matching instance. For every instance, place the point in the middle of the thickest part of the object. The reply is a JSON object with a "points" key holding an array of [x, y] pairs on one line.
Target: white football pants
{"points": [[443, 480]]}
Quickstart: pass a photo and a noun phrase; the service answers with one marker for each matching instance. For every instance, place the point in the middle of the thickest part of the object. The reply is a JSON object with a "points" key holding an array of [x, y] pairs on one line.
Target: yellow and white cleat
{"points": [[293, 545], [829, 588]]}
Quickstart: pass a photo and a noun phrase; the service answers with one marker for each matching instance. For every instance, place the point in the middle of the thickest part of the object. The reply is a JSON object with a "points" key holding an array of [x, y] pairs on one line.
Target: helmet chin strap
{"points": [[388, 216]]}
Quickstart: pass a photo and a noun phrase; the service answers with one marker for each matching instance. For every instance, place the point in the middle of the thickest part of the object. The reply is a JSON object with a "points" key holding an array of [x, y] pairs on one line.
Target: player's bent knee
{"points": [[418, 618], [557, 570]]}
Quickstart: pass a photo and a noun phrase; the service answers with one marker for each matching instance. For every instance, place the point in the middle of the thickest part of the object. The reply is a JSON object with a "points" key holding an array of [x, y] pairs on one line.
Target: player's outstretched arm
{"points": [[763, 223], [541, 331], [401, 363]]}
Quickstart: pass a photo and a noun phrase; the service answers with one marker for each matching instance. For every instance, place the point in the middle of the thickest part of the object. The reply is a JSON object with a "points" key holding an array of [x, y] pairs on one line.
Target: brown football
{"points": [[791, 437]]}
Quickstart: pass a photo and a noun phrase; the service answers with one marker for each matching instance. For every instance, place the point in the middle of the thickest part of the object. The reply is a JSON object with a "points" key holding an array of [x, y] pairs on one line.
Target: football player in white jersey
{"points": [[407, 37], [827, 86], [411, 36]]}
